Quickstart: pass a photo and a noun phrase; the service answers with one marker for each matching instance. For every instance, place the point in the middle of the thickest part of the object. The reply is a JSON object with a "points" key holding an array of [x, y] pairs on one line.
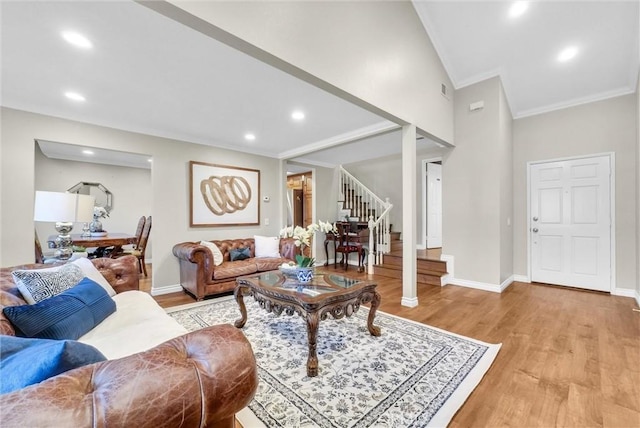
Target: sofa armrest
{"points": [[200, 255], [200, 379], [121, 273]]}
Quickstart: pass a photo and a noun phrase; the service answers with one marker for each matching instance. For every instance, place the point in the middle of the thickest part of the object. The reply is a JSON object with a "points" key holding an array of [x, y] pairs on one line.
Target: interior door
{"points": [[570, 223], [434, 205]]}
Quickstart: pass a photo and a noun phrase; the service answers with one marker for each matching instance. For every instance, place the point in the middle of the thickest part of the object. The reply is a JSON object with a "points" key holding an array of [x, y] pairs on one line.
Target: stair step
{"points": [[422, 276], [392, 259]]}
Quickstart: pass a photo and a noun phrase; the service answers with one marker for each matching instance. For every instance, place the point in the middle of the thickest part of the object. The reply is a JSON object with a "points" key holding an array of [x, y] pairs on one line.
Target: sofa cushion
{"points": [[239, 254], [138, 324], [237, 268], [25, 362], [267, 246], [218, 258], [68, 315], [40, 284], [271, 263]]}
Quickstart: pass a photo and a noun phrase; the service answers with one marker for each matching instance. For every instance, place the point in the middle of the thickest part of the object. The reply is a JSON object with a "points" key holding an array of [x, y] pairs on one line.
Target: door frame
{"points": [[422, 244], [612, 207]]}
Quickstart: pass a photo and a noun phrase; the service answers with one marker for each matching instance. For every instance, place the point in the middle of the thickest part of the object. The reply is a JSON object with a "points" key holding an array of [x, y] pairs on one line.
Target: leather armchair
{"points": [[200, 379]]}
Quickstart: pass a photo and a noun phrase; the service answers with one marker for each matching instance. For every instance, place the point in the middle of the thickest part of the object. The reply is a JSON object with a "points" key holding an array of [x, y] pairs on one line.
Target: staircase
{"points": [[429, 271], [365, 206]]}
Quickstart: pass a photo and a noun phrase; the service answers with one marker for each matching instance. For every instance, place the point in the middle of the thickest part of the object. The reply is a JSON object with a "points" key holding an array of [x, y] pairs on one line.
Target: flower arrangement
{"points": [[99, 212], [302, 237]]}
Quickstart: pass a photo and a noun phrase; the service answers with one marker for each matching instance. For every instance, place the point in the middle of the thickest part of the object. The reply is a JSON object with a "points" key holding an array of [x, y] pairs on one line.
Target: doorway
{"points": [[432, 203], [570, 222], [300, 191]]}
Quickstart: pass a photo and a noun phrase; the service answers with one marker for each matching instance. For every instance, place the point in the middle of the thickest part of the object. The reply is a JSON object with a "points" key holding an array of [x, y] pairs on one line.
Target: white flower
{"points": [[302, 236], [99, 212]]}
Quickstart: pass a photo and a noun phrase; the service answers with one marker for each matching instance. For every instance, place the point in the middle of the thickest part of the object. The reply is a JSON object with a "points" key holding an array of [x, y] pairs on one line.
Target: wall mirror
{"points": [[104, 198]]}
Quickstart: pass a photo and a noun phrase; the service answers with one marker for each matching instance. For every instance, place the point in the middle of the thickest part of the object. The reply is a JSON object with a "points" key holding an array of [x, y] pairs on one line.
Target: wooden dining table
{"points": [[115, 240]]}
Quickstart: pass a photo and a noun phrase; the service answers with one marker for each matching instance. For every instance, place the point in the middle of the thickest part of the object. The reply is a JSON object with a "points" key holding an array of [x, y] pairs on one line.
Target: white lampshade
{"points": [[63, 207], [84, 208]]}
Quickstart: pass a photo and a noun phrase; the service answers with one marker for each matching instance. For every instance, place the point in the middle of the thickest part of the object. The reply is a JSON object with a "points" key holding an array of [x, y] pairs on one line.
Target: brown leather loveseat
{"points": [[200, 277], [198, 379]]}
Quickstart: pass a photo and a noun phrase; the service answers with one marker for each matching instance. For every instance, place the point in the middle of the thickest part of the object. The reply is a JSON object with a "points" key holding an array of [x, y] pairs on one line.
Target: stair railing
{"points": [[367, 206]]}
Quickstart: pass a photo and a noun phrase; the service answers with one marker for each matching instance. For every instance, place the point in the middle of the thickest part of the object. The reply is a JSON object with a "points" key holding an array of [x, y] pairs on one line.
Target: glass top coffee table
{"points": [[327, 294]]}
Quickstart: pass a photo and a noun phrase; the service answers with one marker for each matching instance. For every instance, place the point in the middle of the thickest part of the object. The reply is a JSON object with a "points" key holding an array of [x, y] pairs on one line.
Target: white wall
{"points": [[131, 188], [377, 52], [476, 201], [169, 193], [599, 127]]}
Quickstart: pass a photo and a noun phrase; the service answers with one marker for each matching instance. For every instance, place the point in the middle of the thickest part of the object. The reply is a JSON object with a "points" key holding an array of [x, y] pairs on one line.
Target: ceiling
{"points": [[477, 40], [149, 74]]}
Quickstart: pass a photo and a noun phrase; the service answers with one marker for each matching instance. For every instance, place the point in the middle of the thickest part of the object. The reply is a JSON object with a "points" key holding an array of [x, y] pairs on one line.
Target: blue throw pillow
{"points": [[239, 254], [25, 362], [68, 315]]}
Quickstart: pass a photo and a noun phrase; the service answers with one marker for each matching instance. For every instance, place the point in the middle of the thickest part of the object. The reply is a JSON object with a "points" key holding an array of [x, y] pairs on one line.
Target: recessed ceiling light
{"points": [[567, 53], [74, 96], [77, 39], [297, 115], [87, 152], [249, 137], [518, 8]]}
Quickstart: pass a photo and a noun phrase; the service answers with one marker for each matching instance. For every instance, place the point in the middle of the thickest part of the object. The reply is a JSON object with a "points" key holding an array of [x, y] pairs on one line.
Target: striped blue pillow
{"points": [[69, 315]]}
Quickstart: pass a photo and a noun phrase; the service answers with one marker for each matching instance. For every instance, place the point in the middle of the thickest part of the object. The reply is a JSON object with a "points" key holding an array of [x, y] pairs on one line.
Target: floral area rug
{"points": [[413, 375]]}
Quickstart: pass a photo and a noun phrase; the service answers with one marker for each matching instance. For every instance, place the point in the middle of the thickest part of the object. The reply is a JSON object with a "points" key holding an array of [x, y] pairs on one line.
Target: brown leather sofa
{"points": [[200, 277], [199, 379]]}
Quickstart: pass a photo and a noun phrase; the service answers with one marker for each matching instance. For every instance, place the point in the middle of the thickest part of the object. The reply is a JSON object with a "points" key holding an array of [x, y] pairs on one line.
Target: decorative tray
{"points": [[104, 233]]}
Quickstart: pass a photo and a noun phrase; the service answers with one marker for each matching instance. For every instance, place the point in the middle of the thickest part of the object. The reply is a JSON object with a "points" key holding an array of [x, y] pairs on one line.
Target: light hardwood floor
{"points": [[569, 358]]}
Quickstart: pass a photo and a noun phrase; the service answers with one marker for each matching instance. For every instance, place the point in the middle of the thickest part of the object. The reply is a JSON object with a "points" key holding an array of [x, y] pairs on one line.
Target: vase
{"points": [[304, 274], [95, 226]]}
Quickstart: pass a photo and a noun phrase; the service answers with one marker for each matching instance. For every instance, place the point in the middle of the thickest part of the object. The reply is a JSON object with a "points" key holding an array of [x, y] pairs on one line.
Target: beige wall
{"points": [[599, 127], [169, 192], [638, 191], [475, 198], [383, 177], [377, 52], [131, 188], [505, 156]]}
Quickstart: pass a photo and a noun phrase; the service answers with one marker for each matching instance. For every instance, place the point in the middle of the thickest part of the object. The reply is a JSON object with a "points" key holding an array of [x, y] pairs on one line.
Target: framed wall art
{"points": [[223, 195]]}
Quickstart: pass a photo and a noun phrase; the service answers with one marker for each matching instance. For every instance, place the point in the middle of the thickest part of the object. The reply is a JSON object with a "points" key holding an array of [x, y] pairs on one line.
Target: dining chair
{"points": [[347, 242], [137, 234], [139, 230], [141, 248]]}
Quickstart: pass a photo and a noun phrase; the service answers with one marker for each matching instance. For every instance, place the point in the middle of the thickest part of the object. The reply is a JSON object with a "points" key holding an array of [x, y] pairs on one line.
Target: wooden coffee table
{"points": [[327, 294]]}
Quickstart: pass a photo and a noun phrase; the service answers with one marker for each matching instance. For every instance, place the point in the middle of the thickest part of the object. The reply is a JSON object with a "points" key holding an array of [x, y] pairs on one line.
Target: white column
{"points": [[409, 288], [282, 194]]}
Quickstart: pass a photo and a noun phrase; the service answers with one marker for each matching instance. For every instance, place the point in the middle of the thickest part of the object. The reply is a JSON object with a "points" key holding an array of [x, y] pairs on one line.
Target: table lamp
{"points": [[64, 209]]}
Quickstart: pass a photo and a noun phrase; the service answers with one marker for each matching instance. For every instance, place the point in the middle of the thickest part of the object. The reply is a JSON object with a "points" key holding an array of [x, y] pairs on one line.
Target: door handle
{"points": [[535, 219], [534, 230]]}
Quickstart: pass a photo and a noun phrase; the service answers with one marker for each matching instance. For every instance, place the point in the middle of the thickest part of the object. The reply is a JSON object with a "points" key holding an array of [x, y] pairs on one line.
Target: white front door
{"points": [[434, 205], [570, 223]]}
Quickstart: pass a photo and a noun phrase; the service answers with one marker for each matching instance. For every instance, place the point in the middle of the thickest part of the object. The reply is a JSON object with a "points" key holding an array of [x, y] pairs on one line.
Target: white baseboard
{"points": [[485, 286], [522, 278], [450, 264], [410, 302], [638, 298], [506, 283], [624, 292], [166, 290]]}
